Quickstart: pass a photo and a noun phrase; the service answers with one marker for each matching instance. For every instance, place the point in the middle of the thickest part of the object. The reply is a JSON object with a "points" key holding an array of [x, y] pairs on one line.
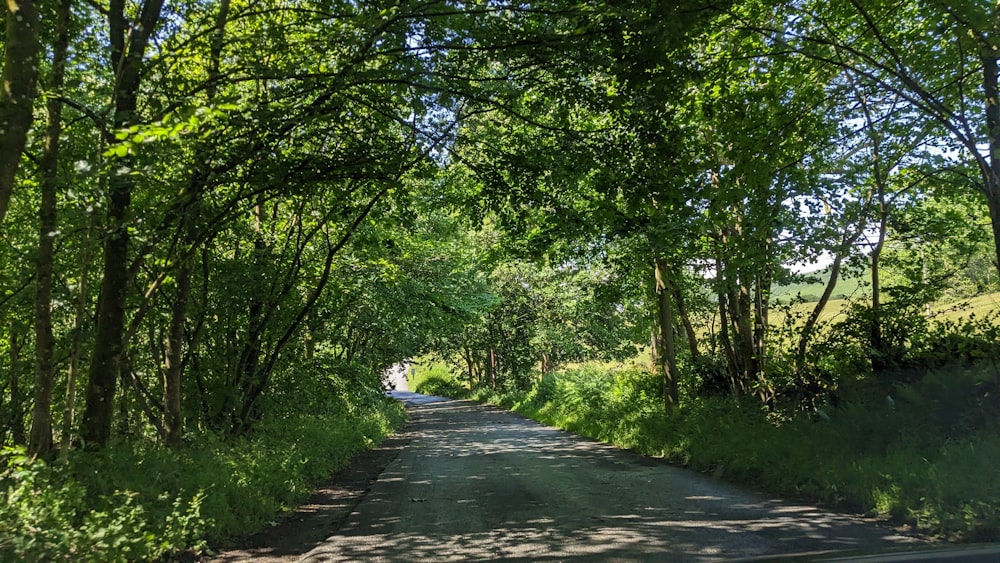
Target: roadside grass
{"points": [[435, 378], [144, 502], [915, 462]]}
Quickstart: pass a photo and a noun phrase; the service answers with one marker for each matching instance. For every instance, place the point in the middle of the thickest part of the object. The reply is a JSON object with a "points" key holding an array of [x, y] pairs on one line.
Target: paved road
{"points": [[480, 483]]}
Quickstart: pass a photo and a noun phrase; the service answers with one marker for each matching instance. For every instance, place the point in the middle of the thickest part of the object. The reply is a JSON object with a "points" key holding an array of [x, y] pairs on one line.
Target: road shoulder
{"points": [[296, 533]]}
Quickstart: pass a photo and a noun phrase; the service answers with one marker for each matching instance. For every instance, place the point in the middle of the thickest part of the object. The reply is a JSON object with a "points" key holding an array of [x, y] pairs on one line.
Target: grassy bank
{"points": [[144, 502], [917, 458]]}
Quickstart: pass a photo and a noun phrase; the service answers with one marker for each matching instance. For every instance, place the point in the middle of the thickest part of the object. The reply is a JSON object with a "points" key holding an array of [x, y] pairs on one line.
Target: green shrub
{"points": [[443, 387], [436, 378], [142, 501], [48, 514], [966, 340]]}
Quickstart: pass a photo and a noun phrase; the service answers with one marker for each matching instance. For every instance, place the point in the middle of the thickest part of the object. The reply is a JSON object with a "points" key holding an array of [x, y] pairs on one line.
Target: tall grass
{"points": [[903, 459], [141, 502]]}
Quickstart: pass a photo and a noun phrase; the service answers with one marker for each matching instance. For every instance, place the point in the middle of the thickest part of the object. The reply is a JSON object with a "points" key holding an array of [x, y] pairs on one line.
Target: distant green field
{"points": [[981, 306], [856, 287], [853, 286]]}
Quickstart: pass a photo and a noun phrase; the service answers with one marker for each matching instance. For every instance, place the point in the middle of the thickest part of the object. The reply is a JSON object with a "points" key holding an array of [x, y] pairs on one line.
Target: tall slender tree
{"points": [[129, 39], [40, 438]]}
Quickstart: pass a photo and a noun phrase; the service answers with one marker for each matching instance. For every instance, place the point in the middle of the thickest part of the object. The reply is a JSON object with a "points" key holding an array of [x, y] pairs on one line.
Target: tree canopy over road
{"points": [[215, 215]]}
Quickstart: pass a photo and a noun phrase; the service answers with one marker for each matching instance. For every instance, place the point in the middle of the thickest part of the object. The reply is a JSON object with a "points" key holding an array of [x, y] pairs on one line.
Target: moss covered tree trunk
{"points": [[40, 437], [17, 96]]}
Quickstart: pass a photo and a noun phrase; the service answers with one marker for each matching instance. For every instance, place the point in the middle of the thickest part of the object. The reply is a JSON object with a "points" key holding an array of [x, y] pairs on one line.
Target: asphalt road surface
{"points": [[478, 483]]}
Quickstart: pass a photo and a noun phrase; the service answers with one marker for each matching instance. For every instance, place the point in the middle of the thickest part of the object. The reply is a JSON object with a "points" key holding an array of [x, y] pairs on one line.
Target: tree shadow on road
{"points": [[514, 489]]}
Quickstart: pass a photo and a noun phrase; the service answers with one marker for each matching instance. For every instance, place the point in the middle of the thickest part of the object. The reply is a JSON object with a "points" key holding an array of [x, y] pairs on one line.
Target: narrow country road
{"points": [[478, 483]]}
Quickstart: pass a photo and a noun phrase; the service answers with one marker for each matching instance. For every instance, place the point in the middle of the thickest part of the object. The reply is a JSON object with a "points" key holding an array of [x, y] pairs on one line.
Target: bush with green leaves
{"points": [[912, 344], [901, 321], [442, 387], [966, 340], [140, 501], [49, 514]]}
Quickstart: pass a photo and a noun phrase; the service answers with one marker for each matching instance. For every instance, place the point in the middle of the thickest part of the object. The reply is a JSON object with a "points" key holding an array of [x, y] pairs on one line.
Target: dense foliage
{"points": [[140, 502], [217, 217]]}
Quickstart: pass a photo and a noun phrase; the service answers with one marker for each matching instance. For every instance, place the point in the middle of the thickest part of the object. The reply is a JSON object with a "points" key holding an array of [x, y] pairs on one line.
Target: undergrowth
{"points": [[918, 458], [435, 379], [141, 502]]}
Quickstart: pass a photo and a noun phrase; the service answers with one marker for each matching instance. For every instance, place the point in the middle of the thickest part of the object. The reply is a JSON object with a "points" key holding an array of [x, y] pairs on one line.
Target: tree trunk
{"points": [[741, 333], [40, 438], [810, 326], [877, 343], [880, 174], [761, 310], [682, 312], [249, 360], [143, 397], [172, 417], [736, 305], [724, 329], [665, 334], [126, 60], [106, 359], [255, 376], [470, 366], [173, 362], [14, 345], [491, 367], [838, 260], [991, 181], [17, 96], [993, 204], [654, 352], [654, 323], [76, 346]]}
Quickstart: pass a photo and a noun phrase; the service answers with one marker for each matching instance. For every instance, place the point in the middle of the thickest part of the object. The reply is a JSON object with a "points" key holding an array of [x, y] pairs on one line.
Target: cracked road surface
{"points": [[478, 483]]}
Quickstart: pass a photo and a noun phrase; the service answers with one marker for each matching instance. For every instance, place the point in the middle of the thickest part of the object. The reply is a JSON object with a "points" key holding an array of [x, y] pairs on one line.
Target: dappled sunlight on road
{"points": [[481, 483]]}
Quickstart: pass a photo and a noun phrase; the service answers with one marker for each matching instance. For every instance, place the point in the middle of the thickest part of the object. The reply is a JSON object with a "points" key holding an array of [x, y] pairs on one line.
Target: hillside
{"points": [[855, 285]]}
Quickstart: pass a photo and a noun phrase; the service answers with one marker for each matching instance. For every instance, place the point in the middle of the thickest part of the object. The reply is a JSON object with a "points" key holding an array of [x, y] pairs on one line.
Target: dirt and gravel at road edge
{"points": [[296, 533]]}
